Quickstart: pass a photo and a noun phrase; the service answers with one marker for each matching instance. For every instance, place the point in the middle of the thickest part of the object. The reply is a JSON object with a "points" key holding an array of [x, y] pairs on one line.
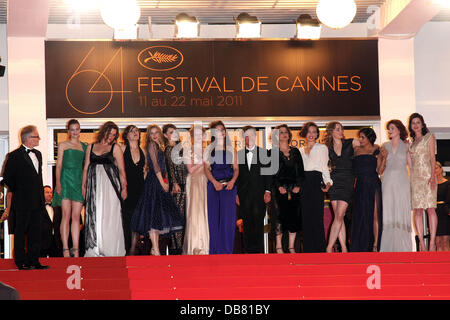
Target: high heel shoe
{"points": [[279, 250], [72, 252], [155, 252], [64, 250], [375, 248], [292, 250]]}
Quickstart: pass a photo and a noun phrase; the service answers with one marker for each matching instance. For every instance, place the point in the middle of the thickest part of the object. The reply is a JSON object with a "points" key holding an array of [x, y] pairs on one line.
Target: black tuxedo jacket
{"points": [[24, 182], [251, 184], [51, 236]]}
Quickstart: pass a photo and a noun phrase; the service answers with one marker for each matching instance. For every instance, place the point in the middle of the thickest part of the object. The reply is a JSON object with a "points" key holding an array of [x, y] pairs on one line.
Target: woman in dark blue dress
{"points": [[367, 213], [222, 170], [156, 211]]}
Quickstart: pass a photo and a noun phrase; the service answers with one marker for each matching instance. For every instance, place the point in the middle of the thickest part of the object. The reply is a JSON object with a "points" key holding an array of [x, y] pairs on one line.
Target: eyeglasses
{"points": [[37, 137]]}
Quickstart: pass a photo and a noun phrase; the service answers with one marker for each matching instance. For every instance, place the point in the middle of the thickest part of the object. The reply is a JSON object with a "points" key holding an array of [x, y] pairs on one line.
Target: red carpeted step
{"points": [[78, 295]]}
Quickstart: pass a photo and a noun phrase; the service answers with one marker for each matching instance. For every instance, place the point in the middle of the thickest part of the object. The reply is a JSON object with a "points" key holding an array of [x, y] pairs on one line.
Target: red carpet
{"points": [[238, 277]]}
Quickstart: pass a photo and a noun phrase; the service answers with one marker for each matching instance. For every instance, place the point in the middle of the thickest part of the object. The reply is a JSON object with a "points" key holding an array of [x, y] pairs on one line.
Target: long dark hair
{"points": [[165, 128], [424, 125], [214, 125], [369, 133], [125, 133], [105, 129]]}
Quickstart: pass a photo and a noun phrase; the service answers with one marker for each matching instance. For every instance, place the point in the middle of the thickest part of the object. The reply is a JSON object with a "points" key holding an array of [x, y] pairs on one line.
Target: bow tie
{"points": [[48, 204], [31, 150], [252, 151]]}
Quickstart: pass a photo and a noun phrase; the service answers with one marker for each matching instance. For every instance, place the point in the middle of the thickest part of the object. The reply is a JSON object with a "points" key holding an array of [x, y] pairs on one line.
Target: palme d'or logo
{"points": [[160, 58]]}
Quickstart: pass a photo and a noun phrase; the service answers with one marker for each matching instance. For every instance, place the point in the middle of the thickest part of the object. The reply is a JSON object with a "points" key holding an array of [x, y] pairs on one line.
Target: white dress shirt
{"points": [[33, 158], [317, 160], [250, 156], [49, 211]]}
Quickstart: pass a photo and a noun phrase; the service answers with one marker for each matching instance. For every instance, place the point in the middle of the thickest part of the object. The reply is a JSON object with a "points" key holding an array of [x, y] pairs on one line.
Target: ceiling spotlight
{"points": [[247, 26], [186, 26], [336, 14], [122, 16], [308, 28]]}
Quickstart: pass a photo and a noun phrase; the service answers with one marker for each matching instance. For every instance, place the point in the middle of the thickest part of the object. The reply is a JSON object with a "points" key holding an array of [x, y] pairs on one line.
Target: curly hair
{"points": [[424, 125], [305, 128], [328, 139], [400, 126], [105, 130], [278, 128], [125, 133]]}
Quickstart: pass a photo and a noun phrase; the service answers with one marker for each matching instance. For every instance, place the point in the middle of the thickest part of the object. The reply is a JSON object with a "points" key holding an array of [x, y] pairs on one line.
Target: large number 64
{"points": [[87, 73]]}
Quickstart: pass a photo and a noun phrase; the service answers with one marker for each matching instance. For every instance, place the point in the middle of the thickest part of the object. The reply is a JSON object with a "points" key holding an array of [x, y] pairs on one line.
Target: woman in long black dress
{"points": [[340, 151], [367, 213], [134, 160], [317, 182], [177, 179], [287, 182], [443, 211]]}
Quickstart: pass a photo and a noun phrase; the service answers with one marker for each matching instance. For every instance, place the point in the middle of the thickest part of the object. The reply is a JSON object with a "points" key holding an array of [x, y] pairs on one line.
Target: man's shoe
{"points": [[24, 267], [39, 266]]}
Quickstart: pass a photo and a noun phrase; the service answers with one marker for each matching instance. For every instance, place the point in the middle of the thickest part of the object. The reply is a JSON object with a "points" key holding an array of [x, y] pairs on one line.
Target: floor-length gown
{"points": [[367, 191], [196, 237], [156, 209], [396, 202], [177, 174], [135, 186], [104, 230], [221, 204]]}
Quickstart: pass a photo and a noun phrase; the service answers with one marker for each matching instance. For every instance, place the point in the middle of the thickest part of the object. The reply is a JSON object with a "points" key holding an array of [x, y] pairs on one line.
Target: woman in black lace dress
{"points": [[177, 179]]}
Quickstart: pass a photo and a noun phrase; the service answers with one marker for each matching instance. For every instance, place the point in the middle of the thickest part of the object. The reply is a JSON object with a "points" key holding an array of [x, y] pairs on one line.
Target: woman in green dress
{"points": [[69, 170]]}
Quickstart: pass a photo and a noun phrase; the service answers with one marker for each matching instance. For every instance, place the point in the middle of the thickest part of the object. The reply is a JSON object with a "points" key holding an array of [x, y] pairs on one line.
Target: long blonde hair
{"points": [[148, 138], [328, 139]]}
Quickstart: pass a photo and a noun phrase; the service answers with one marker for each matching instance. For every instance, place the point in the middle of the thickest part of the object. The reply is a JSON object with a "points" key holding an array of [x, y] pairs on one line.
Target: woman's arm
{"points": [[85, 169], [118, 155], [207, 169], [432, 150], [379, 159], [153, 150], [171, 169], [59, 161], [230, 184], [384, 154], [324, 159]]}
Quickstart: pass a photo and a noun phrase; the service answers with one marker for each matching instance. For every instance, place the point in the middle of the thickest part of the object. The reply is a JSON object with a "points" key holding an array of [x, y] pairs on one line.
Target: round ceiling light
{"points": [[120, 14], [336, 14]]}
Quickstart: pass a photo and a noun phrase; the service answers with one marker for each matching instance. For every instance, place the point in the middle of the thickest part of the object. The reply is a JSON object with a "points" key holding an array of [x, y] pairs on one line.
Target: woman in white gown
{"points": [[396, 191], [104, 188], [196, 239]]}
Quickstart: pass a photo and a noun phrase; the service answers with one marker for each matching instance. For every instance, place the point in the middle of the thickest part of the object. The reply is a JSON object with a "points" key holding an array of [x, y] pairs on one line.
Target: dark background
{"points": [[230, 58]]}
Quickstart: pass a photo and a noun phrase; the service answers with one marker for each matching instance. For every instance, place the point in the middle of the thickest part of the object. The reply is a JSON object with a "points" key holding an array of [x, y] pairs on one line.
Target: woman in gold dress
{"points": [[422, 153]]}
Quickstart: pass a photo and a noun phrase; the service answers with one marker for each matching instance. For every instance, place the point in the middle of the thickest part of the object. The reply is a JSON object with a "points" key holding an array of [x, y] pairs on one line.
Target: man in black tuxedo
{"points": [[253, 190], [23, 176], [51, 245]]}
